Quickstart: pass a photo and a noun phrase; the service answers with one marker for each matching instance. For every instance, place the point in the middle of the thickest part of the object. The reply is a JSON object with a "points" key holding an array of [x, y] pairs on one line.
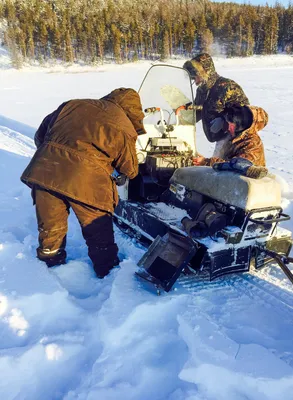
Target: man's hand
{"points": [[217, 124], [199, 160]]}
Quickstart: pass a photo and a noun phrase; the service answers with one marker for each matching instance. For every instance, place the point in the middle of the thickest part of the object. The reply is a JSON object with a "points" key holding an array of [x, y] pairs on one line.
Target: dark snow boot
{"points": [[52, 260], [103, 269]]}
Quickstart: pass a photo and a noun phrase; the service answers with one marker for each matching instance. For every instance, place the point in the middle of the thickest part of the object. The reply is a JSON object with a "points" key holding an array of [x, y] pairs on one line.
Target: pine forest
{"points": [[96, 31]]}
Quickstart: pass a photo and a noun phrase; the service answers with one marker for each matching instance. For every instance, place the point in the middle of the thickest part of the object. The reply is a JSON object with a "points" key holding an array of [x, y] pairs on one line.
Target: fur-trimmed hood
{"points": [[129, 101], [260, 119], [203, 66]]}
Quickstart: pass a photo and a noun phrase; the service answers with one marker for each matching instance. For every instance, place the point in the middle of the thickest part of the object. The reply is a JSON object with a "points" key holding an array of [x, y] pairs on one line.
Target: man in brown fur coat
{"points": [[78, 147]]}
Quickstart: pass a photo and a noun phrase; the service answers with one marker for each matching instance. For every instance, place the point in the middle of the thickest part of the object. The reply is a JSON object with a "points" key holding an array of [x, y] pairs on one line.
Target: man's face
{"points": [[231, 129], [235, 121], [197, 80]]}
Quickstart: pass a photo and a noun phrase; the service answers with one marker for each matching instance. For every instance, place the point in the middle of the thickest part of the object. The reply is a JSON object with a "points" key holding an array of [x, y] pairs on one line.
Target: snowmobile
{"points": [[194, 218]]}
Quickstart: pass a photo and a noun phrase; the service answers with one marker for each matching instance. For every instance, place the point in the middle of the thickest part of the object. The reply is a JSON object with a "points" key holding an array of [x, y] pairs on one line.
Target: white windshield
{"points": [[167, 87]]}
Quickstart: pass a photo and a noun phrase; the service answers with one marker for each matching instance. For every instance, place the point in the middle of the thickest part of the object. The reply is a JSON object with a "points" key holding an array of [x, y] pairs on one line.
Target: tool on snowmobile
{"points": [[194, 218], [119, 179]]}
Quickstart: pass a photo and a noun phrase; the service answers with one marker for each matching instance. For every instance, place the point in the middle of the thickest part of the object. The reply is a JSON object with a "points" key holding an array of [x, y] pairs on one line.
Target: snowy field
{"points": [[67, 335]]}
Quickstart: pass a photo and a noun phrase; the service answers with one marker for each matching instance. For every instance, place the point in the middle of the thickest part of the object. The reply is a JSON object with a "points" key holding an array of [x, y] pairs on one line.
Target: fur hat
{"points": [[240, 116], [201, 65], [189, 66]]}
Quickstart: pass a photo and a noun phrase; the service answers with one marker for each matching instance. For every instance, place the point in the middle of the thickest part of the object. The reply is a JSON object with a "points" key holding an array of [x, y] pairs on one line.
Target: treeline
{"points": [[127, 30]]}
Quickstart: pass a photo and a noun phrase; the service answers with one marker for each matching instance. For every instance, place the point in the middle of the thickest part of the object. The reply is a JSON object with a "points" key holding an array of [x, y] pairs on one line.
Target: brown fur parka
{"points": [[82, 142]]}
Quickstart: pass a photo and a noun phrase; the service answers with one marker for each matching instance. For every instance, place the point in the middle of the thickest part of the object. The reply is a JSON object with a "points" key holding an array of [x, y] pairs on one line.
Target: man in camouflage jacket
{"points": [[214, 94], [78, 147]]}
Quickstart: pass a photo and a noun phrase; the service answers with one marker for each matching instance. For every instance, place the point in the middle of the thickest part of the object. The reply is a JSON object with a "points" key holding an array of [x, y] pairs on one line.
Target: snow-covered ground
{"points": [[67, 335]]}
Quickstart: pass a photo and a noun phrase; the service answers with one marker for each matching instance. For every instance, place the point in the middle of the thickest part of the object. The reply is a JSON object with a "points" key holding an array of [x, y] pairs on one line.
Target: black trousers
{"points": [[52, 211]]}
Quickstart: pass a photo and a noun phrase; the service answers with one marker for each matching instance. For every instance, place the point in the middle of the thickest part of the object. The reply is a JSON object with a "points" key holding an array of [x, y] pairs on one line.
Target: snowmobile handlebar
{"points": [[187, 107], [177, 111], [190, 107], [167, 126], [151, 110]]}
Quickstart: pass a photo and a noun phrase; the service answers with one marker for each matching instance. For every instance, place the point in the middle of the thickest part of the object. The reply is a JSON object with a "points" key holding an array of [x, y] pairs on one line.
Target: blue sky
{"points": [[257, 2]]}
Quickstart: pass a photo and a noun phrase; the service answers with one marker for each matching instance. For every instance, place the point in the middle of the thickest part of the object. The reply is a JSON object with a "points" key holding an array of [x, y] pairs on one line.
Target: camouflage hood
{"points": [[203, 66], [129, 101], [260, 119]]}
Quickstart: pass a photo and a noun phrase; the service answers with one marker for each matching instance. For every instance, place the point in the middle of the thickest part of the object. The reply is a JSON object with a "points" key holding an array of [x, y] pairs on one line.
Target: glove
{"points": [[120, 179], [256, 172], [217, 124], [187, 105], [243, 167], [237, 164]]}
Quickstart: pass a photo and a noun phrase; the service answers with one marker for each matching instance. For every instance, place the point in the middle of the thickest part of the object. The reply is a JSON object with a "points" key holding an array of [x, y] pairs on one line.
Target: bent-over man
{"points": [[78, 147]]}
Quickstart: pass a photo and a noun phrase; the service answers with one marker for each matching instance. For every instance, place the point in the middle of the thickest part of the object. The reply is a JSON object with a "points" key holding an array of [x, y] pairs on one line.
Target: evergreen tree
{"points": [[116, 43], [100, 38], [30, 44], [207, 40], [270, 33], [248, 43], [239, 36], [202, 27], [189, 36], [68, 48], [165, 46], [10, 39]]}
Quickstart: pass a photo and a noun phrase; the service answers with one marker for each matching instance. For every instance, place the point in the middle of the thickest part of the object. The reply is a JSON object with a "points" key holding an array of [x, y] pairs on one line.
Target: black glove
{"points": [[120, 179], [188, 106]]}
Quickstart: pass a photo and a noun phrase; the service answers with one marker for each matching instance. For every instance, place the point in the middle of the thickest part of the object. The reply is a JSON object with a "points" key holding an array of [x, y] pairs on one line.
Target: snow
{"points": [[67, 335]]}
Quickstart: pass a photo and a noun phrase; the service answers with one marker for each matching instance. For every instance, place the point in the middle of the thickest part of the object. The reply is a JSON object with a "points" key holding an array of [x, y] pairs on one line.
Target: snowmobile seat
{"points": [[230, 187]]}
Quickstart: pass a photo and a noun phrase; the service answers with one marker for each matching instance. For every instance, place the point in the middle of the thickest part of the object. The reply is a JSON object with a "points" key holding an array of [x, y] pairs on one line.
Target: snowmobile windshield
{"points": [[164, 89]]}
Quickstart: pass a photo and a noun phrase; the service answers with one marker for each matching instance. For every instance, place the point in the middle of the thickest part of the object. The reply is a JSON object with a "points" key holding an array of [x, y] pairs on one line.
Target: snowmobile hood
{"points": [[259, 121], [129, 101], [203, 66]]}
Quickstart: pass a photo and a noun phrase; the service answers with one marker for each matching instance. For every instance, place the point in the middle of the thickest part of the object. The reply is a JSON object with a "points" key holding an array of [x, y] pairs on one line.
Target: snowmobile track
{"points": [[235, 285], [246, 284], [269, 292]]}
